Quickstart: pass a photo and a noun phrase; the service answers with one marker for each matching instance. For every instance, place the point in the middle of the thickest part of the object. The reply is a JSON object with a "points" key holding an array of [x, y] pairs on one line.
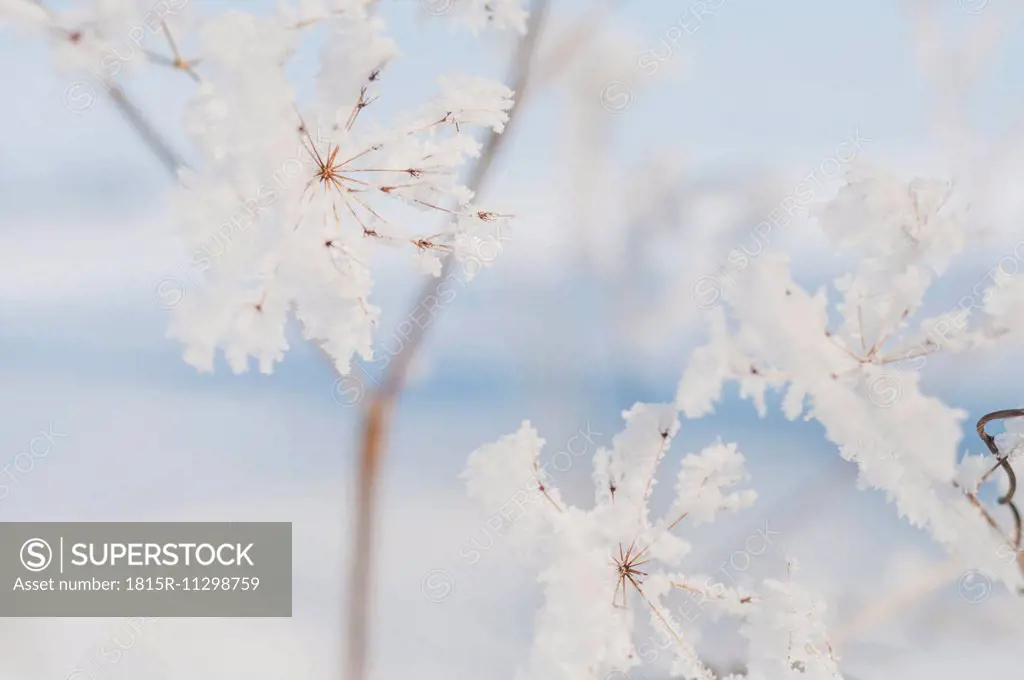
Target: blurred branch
{"points": [[901, 598], [567, 49], [145, 130], [953, 70], [170, 159], [378, 413]]}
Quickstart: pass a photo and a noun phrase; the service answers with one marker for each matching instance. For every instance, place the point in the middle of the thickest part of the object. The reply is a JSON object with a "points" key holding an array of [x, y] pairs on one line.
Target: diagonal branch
{"points": [[145, 130], [138, 121]]}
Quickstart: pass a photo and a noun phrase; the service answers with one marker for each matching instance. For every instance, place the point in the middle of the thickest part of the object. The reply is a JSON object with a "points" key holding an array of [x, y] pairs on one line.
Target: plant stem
{"points": [[378, 413]]}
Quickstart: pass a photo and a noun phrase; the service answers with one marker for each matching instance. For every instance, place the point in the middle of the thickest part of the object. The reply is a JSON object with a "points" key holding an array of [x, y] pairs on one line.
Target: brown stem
{"points": [[378, 413], [678, 520], [543, 489], [1004, 463], [683, 647], [990, 442]]}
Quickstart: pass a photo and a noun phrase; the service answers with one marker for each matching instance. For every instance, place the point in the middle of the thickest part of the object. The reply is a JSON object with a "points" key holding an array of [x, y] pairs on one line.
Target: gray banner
{"points": [[160, 569]]}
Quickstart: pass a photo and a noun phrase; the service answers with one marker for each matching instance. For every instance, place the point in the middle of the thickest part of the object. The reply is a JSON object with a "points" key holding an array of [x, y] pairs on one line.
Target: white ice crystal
{"points": [[701, 489], [601, 567], [287, 207], [1011, 442], [290, 196], [788, 640], [859, 377]]}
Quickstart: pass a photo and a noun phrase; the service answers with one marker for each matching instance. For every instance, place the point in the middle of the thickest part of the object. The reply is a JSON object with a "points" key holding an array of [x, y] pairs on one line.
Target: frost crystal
{"points": [[602, 567], [290, 196], [309, 195], [858, 378]]}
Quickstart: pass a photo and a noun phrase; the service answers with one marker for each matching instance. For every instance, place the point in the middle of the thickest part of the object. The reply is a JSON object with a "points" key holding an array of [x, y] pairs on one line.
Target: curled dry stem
{"points": [[1003, 462]]}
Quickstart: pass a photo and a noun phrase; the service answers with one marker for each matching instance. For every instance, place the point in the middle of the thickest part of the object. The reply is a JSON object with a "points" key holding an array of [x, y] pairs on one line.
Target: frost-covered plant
{"points": [[851, 364], [845, 365], [311, 246], [602, 566], [290, 196], [305, 188]]}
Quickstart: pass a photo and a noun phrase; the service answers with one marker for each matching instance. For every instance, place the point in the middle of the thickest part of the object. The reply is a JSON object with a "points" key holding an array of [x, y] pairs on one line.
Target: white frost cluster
{"points": [[305, 241], [288, 207], [788, 640], [852, 363], [587, 626], [702, 490], [293, 193], [1011, 442]]}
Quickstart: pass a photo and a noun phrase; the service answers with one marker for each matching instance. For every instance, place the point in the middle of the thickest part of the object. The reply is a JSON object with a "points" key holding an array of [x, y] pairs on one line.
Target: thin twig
{"points": [[678, 520], [746, 599], [543, 489], [683, 647], [179, 62], [138, 121], [666, 440], [147, 133]]}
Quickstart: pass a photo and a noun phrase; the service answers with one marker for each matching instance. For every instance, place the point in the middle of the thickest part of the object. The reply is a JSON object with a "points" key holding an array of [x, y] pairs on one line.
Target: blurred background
{"points": [[644, 154]]}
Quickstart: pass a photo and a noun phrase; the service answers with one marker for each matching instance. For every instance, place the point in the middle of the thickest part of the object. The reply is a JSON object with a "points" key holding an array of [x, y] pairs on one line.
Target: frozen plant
{"points": [[316, 205], [850, 360], [603, 566], [290, 196]]}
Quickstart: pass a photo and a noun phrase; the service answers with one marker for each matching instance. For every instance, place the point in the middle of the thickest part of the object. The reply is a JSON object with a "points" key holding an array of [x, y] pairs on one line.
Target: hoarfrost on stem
{"points": [[291, 196], [859, 379], [315, 191], [601, 567]]}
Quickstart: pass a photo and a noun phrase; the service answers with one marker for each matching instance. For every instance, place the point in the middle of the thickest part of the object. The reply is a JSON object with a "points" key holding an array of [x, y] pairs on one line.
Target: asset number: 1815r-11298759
{"points": [[192, 583]]}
